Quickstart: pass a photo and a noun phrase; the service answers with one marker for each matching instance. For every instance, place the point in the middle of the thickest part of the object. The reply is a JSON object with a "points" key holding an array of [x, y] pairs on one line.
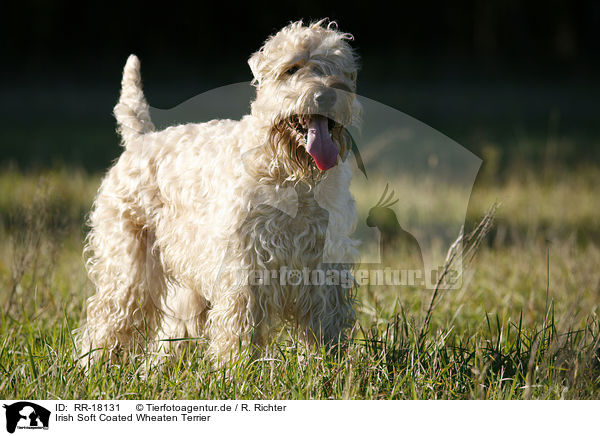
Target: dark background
{"points": [[515, 79]]}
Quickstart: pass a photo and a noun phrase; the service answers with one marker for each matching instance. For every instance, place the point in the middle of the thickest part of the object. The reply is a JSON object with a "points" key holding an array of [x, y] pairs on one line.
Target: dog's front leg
{"points": [[235, 324]]}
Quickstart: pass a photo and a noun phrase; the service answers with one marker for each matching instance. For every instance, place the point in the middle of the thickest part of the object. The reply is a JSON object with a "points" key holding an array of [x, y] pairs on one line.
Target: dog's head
{"points": [[305, 77]]}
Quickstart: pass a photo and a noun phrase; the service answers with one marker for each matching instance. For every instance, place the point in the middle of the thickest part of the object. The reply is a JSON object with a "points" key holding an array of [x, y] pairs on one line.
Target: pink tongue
{"points": [[319, 145]]}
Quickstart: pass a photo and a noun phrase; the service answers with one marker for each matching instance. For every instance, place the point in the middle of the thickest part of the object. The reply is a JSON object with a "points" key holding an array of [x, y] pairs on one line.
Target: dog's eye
{"points": [[292, 70]]}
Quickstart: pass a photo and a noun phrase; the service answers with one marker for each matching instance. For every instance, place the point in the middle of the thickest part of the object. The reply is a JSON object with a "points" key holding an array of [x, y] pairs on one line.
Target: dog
{"points": [[188, 229]]}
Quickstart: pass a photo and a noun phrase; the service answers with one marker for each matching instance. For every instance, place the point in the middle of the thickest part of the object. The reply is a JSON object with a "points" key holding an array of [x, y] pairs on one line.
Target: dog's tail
{"points": [[132, 111]]}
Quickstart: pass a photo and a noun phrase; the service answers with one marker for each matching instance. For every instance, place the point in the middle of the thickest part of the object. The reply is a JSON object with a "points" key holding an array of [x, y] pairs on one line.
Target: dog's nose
{"points": [[325, 99]]}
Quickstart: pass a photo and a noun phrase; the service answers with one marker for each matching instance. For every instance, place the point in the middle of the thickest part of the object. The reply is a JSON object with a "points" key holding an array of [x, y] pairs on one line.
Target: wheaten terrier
{"points": [[188, 238]]}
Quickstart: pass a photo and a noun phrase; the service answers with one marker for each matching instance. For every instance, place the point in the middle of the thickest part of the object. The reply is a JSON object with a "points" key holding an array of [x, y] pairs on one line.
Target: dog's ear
{"points": [[255, 61]]}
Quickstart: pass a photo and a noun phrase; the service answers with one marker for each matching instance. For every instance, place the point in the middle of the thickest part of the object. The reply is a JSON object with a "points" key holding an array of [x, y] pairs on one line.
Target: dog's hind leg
{"points": [[127, 275]]}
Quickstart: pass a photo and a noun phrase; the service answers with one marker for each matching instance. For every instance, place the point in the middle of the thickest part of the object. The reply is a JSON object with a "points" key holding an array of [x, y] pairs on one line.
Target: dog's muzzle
{"points": [[325, 99]]}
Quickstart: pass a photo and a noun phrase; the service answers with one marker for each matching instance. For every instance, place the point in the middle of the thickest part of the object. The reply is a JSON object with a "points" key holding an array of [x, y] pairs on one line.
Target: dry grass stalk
{"points": [[463, 248]]}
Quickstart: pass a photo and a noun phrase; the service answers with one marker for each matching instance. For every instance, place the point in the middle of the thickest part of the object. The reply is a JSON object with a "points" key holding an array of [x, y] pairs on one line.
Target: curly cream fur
{"points": [[178, 222]]}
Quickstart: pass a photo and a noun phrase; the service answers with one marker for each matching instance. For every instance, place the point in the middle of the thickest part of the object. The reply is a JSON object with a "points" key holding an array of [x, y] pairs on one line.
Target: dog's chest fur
{"points": [[279, 237]]}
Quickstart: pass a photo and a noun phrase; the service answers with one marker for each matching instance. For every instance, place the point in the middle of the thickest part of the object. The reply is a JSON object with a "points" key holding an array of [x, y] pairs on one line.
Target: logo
{"points": [[26, 415]]}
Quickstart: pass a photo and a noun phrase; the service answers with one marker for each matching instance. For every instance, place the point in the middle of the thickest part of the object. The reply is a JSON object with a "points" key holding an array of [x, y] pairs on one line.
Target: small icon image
{"points": [[26, 415]]}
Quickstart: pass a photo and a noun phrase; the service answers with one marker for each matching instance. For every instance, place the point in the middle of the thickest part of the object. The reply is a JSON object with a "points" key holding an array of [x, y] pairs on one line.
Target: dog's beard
{"points": [[304, 146]]}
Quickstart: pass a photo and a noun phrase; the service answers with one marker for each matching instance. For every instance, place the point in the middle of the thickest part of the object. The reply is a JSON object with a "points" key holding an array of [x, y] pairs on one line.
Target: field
{"points": [[524, 325]]}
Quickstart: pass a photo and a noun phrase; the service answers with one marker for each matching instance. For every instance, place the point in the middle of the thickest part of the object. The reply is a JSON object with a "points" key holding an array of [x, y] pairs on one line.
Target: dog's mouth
{"points": [[317, 131]]}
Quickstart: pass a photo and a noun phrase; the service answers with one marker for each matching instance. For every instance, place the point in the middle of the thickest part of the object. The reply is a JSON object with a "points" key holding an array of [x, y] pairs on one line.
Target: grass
{"points": [[524, 325]]}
